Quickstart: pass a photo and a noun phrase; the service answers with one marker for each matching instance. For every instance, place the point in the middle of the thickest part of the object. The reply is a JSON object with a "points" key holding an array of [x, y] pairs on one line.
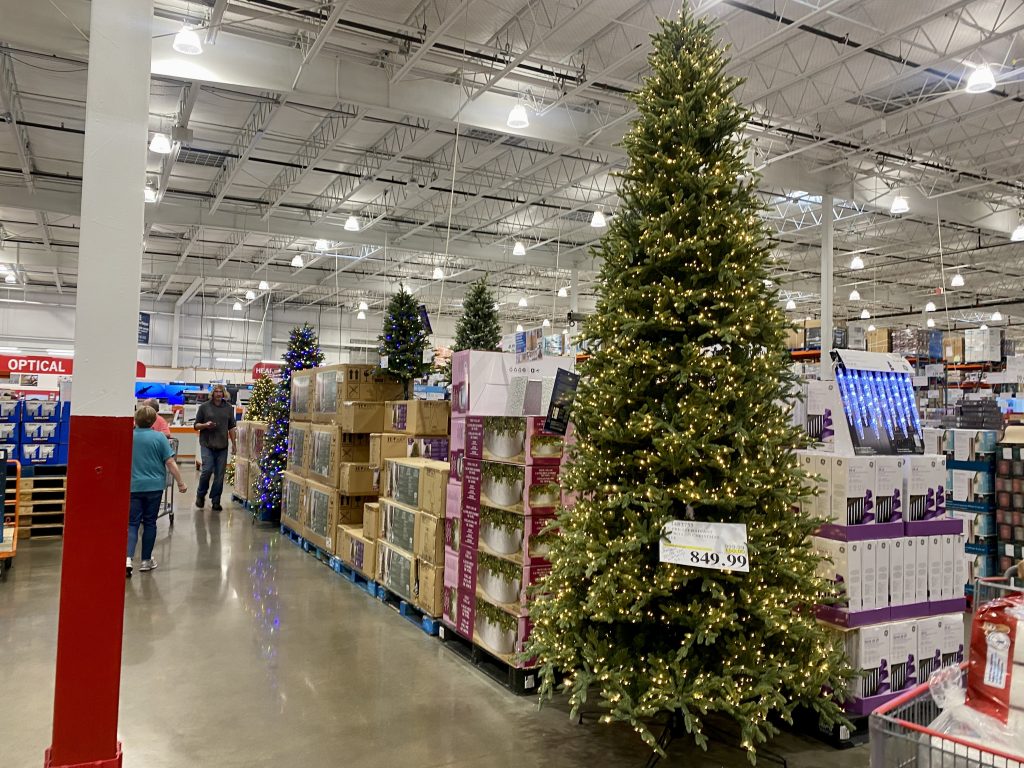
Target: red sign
{"points": [[273, 370], [58, 366]]}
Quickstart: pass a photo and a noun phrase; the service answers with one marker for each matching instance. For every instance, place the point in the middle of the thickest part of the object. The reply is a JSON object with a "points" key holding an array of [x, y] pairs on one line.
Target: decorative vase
{"points": [[494, 637], [504, 493], [497, 587], [544, 498], [544, 450], [504, 446], [501, 541]]}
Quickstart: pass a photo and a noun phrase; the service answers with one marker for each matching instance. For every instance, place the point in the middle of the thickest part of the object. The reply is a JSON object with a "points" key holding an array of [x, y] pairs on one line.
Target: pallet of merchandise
{"points": [[522, 681], [409, 611], [36, 471]]}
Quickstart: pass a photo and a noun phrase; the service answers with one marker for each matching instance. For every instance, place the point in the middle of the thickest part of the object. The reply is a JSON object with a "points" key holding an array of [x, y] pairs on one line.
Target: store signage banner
{"points": [[144, 318], [719, 546], [58, 366], [273, 370]]}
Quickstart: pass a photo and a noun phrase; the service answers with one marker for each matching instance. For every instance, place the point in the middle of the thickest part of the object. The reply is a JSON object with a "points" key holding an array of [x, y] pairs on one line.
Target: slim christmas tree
{"points": [[678, 416], [259, 403], [403, 340], [303, 352], [478, 327]]}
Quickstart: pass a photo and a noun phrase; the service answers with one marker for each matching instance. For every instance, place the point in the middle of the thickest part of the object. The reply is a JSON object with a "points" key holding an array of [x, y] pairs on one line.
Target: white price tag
{"points": [[721, 546], [384, 361], [935, 370]]}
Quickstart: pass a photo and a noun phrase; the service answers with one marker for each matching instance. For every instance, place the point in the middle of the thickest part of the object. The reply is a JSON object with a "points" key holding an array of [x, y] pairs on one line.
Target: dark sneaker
{"points": [[200, 503], [217, 507]]}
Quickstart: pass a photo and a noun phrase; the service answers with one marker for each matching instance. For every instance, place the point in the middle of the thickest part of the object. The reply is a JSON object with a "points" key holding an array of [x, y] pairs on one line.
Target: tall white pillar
{"points": [[826, 285]]}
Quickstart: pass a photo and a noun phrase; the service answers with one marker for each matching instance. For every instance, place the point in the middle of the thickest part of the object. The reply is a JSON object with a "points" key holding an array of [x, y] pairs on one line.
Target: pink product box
{"points": [[525, 490], [469, 532], [493, 629], [471, 484], [525, 542], [512, 440], [453, 533], [494, 384], [453, 504], [506, 588], [451, 586]]}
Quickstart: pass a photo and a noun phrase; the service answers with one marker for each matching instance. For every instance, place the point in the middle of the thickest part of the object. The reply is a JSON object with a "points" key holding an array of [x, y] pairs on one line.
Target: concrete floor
{"points": [[241, 650]]}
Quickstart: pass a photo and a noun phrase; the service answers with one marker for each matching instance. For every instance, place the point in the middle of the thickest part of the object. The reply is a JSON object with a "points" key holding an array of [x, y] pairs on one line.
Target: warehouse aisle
{"points": [[241, 650]]}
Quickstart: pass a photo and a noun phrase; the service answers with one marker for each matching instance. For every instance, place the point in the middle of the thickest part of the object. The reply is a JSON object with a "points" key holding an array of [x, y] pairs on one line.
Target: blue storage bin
{"points": [[40, 410], [10, 411], [36, 454], [40, 432]]}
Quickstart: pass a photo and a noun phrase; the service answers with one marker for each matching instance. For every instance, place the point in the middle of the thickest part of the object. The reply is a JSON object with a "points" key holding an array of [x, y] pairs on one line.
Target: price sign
{"points": [[720, 546]]}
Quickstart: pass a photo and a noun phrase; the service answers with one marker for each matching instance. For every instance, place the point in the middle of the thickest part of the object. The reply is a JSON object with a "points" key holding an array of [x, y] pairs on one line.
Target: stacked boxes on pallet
{"points": [[502, 498], [42, 433], [1010, 497], [250, 437], [36, 433]]}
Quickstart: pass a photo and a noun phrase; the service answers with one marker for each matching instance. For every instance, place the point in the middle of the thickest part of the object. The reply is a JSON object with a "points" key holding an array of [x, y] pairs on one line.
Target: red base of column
{"points": [[114, 762]]}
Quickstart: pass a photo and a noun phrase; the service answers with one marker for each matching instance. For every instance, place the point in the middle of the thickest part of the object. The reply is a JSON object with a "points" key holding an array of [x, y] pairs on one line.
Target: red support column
{"points": [[88, 679]]}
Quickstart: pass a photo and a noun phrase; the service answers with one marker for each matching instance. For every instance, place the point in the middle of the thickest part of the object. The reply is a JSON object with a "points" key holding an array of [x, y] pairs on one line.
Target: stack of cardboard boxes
{"points": [[250, 437]]}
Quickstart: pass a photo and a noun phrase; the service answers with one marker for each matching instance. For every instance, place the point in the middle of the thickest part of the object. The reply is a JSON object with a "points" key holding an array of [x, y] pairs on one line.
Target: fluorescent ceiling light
{"points": [[546, 323], [871, 327], [363, 306], [997, 316], [250, 295], [522, 301], [150, 193], [981, 80], [562, 293], [361, 315], [264, 285], [237, 306], [1018, 234], [957, 281], [864, 314], [598, 220], [930, 323], [983, 327], [352, 224], [229, 359], [160, 144], [322, 245], [10, 279], [856, 263], [790, 304], [297, 261], [10, 350], [187, 41], [3, 269], [899, 205], [517, 117], [519, 328], [929, 307], [854, 295], [519, 249], [438, 273]]}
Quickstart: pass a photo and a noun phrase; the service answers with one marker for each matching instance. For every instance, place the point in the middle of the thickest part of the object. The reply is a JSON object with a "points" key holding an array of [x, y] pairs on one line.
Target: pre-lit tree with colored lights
{"points": [[303, 352], [259, 402], [678, 417], [478, 327], [403, 339]]}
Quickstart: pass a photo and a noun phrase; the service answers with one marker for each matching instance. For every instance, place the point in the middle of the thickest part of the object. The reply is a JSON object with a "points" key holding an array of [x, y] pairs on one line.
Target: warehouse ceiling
{"points": [[299, 115]]}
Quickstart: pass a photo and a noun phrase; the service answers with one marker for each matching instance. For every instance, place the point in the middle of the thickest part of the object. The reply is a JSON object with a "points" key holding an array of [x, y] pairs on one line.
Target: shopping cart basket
{"points": [[167, 502]]}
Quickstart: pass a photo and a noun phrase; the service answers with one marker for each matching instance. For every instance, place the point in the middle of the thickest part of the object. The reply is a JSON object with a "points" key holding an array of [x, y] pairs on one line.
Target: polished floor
{"points": [[241, 650]]}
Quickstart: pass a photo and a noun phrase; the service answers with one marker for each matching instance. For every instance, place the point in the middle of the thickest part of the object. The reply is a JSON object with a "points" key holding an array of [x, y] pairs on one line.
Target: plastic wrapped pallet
{"points": [[293, 507]]}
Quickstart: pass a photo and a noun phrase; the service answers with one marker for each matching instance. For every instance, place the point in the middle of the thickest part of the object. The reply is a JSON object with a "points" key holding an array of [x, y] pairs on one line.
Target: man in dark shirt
{"points": [[215, 422]]}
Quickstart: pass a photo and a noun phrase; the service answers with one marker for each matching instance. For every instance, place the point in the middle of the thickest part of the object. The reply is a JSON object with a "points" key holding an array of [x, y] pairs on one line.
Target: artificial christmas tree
{"points": [[259, 402], [403, 340], [678, 417], [478, 328], [303, 352]]}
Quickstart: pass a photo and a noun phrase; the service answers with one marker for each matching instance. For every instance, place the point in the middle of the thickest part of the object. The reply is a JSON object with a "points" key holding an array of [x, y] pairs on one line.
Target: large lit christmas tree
{"points": [[258, 408], [403, 339], [303, 352], [478, 327], [678, 416]]}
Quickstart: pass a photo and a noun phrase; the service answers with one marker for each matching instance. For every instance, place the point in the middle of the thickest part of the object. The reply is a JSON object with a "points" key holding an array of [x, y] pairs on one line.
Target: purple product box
{"points": [[910, 611], [862, 532], [510, 440], [525, 490], [843, 617], [937, 527], [868, 704], [471, 483]]}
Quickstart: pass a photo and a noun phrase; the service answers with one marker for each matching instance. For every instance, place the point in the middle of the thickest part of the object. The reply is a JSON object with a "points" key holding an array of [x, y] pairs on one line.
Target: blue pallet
{"points": [[985, 465], [292, 535], [408, 611], [350, 574]]}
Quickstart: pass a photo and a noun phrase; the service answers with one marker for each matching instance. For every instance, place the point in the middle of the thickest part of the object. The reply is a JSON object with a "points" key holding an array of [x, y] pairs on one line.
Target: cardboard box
{"points": [[398, 524], [526, 490], [396, 570], [371, 520], [360, 417], [418, 483], [507, 439], [293, 502], [355, 479], [922, 545], [524, 539], [257, 435], [931, 640], [926, 487], [953, 347], [350, 508], [337, 384], [417, 417], [494, 629], [494, 384], [321, 515], [394, 445], [935, 567], [322, 463], [298, 448], [869, 651], [853, 490], [817, 482], [254, 480], [430, 587], [241, 435], [903, 655], [868, 557], [882, 566], [357, 551], [910, 571], [880, 340], [429, 538], [842, 564], [897, 564], [302, 395], [890, 488], [241, 484]]}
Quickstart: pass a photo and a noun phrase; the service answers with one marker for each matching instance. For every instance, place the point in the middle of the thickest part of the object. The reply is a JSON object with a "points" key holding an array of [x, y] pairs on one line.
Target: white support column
{"points": [[574, 302], [826, 285]]}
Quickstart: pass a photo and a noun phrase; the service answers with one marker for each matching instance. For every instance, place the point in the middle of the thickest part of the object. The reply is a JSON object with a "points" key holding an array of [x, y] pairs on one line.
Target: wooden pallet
{"points": [[408, 611], [521, 681]]}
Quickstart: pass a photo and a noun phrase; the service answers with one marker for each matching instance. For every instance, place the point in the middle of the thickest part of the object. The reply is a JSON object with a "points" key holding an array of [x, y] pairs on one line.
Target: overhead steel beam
{"points": [[436, 33], [256, 124], [186, 103], [214, 22], [311, 44]]}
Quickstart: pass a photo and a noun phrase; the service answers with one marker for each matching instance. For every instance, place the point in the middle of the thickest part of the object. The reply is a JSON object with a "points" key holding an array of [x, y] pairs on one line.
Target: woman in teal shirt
{"points": [[152, 458]]}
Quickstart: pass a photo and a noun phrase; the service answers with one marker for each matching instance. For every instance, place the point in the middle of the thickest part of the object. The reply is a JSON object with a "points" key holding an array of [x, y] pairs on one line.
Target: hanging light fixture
{"points": [[546, 323], [264, 285], [187, 41], [10, 279], [864, 314], [322, 245], [854, 295], [930, 323], [519, 249], [522, 301], [997, 316], [361, 315], [438, 273], [1018, 234], [149, 193], [598, 220], [562, 293], [856, 263], [929, 307], [957, 281], [871, 328], [237, 306], [3, 269], [297, 261], [983, 327], [981, 80], [519, 328], [790, 305], [250, 295], [363, 306], [352, 224], [899, 205], [160, 144], [517, 117]]}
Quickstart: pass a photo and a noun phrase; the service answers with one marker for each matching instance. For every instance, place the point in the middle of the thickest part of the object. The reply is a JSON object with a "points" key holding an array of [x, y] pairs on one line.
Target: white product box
{"points": [[935, 591], [853, 489], [960, 565], [869, 575], [897, 563], [934, 440], [922, 568], [820, 465], [949, 557], [953, 642], [903, 660], [909, 570], [890, 488], [926, 487], [869, 650], [931, 639], [882, 566], [843, 566]]}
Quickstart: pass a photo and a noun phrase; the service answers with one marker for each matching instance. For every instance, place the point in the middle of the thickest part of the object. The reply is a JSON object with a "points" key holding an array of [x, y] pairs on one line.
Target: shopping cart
{"points": [[167, 503]]}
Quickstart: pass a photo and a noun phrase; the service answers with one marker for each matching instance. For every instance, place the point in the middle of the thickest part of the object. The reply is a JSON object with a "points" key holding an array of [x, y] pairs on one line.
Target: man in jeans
{"points": [[215, 422]]}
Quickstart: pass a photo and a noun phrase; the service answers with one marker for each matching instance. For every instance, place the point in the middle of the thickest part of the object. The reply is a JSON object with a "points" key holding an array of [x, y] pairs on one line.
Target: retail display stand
{"points": [[891, 543]]}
